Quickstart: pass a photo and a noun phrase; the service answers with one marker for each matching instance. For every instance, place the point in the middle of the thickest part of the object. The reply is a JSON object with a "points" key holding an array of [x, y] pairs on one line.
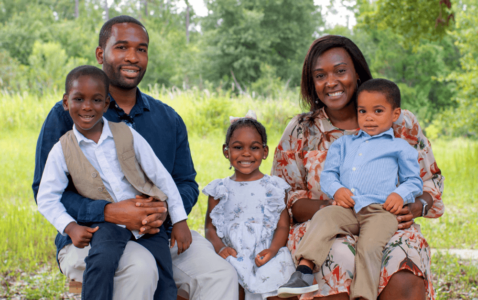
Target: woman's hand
{"points": [[227, 251], [405, 218], [413, 210], [264, 256]]}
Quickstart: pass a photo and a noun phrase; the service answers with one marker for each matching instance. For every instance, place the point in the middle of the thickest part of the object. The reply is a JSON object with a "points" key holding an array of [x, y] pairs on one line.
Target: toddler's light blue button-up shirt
{"points": [[371, 167]]}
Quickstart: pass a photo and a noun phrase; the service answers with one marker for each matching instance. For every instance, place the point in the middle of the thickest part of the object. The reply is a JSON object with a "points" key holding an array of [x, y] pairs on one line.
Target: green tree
{"points": [[464, 119], [241, 36], [415, 20]]}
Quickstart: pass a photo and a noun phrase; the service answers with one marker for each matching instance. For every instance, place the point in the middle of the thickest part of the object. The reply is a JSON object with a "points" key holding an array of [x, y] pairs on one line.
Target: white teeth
{"points": [[245, 163], [130, 71], [335, 94]]}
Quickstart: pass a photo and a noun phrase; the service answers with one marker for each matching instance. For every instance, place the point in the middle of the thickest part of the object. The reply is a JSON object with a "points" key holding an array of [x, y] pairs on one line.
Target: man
{"points": [[199, 272]]}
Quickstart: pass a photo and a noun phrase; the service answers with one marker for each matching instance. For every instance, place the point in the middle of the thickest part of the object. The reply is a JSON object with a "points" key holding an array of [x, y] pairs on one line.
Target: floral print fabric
{"points": [[299, 159], [245, 219]]}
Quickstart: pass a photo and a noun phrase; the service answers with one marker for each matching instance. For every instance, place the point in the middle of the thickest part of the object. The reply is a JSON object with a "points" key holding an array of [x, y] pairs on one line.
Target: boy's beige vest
{"points": [[86, 178]]}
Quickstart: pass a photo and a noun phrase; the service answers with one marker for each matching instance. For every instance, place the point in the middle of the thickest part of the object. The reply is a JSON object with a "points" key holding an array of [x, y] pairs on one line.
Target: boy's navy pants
{"points": [[107, 246]]}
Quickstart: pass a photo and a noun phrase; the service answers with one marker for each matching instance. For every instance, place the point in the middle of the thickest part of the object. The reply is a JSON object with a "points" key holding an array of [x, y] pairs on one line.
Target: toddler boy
{"points": [[360, 174], [108, 161]]}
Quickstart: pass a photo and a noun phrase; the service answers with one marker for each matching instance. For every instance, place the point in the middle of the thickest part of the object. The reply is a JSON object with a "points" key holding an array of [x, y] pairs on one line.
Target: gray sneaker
{"points": [[298, 284]]}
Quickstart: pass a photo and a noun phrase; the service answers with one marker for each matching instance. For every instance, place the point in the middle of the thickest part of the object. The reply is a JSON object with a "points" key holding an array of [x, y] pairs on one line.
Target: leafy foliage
{"points": [[242, 36], [412, 19]]}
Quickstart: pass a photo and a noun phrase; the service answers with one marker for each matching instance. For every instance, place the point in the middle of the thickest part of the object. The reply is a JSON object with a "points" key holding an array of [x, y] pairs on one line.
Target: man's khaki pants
{"points": [[375, 227], [199, 272]]}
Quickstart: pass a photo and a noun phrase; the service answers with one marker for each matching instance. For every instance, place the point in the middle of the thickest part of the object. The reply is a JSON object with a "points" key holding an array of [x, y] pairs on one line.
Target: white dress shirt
{"points": [[104, 159]]}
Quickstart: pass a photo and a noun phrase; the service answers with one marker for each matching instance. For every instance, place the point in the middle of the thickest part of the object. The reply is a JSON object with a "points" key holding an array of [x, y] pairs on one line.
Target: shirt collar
{"points": [[388, 132], [142, 102], [106, 133]]}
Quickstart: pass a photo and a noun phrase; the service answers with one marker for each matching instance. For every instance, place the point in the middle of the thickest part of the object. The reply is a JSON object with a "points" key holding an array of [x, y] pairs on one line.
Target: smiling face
{"points": [[125, 56], [335, 78], [375, 113], [246, 152], [86, 102]]}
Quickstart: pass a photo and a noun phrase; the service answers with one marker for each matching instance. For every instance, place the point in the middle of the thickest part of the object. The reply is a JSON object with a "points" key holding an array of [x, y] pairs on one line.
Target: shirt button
{"points": [[117, 190], [366, 141], [100, 189], [353, 169], [352, 190], [360, 154], [93, 175]]}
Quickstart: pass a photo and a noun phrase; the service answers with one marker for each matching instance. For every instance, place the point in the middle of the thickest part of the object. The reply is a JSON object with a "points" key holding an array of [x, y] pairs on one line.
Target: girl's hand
{"points": [[228, 251], [182, 235], [264, 256]]}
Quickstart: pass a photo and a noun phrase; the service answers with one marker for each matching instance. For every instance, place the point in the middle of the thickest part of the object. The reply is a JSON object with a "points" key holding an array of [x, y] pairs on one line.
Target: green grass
{"points": [[27, 251], [458, 227]]}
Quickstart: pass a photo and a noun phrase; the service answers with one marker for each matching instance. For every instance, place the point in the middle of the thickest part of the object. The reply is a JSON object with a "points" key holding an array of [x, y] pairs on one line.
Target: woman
{"points": [[333, 70]]}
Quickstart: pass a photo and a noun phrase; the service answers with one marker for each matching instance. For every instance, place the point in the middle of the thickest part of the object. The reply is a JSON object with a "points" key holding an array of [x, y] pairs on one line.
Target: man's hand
{"points": [[80, 235], [264, 256], [154, 221], [394, 203], [228, 251], [182, 236], [136, 213], [343, 197]]}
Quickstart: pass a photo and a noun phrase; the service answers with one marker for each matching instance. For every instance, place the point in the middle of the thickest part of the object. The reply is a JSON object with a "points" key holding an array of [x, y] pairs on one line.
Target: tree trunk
{"points": [[187, 23], [77, 13], [145, 2], [107, 15]]}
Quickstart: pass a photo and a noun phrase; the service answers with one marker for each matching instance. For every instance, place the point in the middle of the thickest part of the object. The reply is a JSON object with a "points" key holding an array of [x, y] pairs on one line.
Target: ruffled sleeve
{"points": [[408, 128], [276, 189], [218, 191]]}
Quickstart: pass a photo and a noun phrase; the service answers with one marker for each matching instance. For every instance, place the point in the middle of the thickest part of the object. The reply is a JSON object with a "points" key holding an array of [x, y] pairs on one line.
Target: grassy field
{"points": [[28, 269]]}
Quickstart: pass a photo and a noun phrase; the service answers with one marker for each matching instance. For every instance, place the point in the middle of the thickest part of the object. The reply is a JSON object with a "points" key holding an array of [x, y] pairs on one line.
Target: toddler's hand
{"points": [[80, 235], [182, 235], [343, 197], [264, 256], [394, 203], [228, 251]]}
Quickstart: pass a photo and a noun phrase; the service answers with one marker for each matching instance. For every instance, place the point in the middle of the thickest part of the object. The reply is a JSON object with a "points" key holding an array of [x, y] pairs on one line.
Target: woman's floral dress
{"points": [[299, 159], [246, 218]]}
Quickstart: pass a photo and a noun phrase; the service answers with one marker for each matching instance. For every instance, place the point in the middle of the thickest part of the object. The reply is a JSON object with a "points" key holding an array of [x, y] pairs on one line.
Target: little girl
{"points": [[246, 220]]}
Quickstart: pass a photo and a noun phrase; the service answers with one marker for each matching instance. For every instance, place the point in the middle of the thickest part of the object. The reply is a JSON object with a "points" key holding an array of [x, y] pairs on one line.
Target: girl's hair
{"points": [[246, 122], [318, 47]]}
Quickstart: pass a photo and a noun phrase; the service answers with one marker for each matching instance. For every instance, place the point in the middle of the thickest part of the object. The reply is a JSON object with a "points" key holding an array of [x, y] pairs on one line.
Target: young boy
{"points": [[108, 161], [360, 174]]}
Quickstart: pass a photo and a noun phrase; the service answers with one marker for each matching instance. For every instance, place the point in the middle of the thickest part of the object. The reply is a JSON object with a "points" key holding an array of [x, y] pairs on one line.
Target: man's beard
{"points": [[116, 79]]}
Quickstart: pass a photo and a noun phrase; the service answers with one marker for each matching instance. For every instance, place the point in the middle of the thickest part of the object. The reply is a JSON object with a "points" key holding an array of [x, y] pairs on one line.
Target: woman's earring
{"points": [[316, 101]]}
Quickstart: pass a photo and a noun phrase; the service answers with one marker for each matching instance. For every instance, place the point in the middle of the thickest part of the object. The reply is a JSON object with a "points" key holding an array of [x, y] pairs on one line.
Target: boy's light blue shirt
{"points": [[368, 166]]}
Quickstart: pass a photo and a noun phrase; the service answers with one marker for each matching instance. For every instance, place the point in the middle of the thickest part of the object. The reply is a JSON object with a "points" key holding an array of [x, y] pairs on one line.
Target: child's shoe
{"points": [[298, 284]]}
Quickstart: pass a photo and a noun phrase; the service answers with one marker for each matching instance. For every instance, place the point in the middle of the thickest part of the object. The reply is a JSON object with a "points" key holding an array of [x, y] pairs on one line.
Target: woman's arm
{"points": [[429, 172], [305, 208]]}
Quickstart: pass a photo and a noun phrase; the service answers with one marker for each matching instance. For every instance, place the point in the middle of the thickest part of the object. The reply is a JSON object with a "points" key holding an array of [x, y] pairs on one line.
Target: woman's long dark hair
{"points": [[318, 47]]}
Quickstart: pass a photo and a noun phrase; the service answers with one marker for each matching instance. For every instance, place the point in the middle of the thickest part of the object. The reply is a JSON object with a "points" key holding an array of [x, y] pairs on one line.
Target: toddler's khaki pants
{"points": [[375, 227]]}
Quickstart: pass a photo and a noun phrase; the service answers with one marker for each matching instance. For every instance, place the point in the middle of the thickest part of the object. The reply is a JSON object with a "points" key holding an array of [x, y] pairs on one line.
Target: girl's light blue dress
{"points": [[245, 219]]}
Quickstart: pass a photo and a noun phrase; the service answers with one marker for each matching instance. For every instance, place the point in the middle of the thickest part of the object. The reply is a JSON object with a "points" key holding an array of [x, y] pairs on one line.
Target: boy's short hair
{"points": [[86, 70], [105, 32], [385, 87]]}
